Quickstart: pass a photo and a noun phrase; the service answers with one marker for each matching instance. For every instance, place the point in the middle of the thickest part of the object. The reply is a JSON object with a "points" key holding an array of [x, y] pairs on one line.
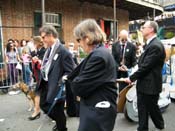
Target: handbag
{"points": [[19, 66]]}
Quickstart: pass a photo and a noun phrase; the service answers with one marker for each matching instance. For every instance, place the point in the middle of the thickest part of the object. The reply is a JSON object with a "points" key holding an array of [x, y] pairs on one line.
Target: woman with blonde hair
{"points": [[36, 64], [94, 80]]}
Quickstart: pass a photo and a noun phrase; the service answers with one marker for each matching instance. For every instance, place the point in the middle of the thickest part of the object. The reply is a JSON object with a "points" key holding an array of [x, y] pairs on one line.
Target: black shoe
{"points": [[34, 117], [55, 128]]}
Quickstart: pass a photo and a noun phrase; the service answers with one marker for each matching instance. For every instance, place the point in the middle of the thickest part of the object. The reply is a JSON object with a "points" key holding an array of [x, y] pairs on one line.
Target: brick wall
{"points": [[18, 20]]}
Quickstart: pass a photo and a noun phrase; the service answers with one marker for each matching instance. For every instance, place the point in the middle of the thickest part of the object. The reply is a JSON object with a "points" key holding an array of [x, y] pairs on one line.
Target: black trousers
{"points": [[71, 102], [148, 106], [122, 74], [57, 113]]}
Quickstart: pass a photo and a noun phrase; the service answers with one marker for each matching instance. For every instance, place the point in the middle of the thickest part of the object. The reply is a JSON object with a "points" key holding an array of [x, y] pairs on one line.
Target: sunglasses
{"points": [[78, 40], [71, 45], [143, 27], [123, 40], [43, 36]]}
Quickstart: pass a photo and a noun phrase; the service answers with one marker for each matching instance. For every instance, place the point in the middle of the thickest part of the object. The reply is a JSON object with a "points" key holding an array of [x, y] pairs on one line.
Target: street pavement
{"points": [[14, 117]]}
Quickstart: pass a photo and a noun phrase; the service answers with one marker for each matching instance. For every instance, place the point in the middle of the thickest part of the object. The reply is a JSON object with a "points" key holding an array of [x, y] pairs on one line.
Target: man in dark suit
{"points": [[149, 78], [57, 63], [124, 53]]}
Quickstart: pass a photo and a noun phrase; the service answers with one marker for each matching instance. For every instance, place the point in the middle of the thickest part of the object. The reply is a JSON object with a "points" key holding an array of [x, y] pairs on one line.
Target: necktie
{"points": [[123, 46], [145, 46], [122, 51], [47, 56]]}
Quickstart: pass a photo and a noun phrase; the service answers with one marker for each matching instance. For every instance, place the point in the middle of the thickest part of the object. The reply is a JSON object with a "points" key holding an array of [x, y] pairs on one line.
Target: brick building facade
{"points": [[18, 16]]}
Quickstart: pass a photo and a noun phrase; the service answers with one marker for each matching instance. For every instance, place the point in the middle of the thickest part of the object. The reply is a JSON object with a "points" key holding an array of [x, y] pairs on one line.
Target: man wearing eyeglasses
{"points": [[149, 79], [56, 64], [124, 53]]}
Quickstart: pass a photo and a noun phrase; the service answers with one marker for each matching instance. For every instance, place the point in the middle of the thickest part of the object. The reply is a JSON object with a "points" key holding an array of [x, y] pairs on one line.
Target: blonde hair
{"points": [[38, 40], [25, 50], [90, 29]]}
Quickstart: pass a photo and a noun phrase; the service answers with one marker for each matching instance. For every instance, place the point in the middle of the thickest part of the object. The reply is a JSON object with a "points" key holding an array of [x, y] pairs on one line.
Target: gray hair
{"points": [[49, 29], [89, 28], [154, 25]]}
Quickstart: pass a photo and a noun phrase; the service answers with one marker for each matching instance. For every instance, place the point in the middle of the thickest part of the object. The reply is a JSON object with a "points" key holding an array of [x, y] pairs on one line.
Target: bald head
{"points": [[124, 33], [123, 36]]}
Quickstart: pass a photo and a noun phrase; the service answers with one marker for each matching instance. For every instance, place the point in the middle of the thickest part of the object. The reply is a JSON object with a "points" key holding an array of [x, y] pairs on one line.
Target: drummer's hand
{"points": [[127, 80], [35, 58], [123, 68], [64, 78]]}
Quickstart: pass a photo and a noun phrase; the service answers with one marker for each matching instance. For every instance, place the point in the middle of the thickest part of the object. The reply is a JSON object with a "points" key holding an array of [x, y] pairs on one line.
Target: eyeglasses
{"points": [[71, 45], [143, 27], [43, 36], [78, 40], [123, 40]]}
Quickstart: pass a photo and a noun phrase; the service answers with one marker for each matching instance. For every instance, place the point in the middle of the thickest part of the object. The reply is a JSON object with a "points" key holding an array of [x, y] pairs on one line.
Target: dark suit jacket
{"points": [[149, 74], [60, 66], [37, 65], [96, 77], [129, 56], [94, 81], [40, 53]]}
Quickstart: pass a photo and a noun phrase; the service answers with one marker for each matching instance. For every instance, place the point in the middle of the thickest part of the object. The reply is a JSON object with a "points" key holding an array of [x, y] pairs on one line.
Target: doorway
{"points": [[1, 41], [108, 27]]}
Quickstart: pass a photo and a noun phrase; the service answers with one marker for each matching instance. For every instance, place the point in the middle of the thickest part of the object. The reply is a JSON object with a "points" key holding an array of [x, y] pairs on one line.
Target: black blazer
{"points": [[130, 54], [40, 53], [61, 65], [149, 74], [94, 79]]}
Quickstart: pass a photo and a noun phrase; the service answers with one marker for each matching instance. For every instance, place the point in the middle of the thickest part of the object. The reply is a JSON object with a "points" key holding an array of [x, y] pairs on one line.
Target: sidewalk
{"points": [[14, 117]]}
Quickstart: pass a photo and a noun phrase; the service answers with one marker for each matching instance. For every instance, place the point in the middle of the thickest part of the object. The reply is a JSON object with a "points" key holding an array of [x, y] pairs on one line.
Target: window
{"points": [[51, 19]]}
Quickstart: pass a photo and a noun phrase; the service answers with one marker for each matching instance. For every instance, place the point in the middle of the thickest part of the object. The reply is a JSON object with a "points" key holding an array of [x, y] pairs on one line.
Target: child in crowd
{"points": [[27, 73]]}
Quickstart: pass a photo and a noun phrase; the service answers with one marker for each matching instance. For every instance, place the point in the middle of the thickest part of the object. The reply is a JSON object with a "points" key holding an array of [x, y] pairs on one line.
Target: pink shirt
{"points": [[25, 58]]}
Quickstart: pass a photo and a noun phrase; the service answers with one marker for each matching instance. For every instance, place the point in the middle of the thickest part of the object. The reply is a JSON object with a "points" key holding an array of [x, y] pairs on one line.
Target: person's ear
{"points": [[87, 41]]}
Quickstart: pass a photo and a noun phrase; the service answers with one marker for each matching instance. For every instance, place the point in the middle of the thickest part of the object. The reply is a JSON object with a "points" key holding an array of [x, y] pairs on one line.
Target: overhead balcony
{"points": [[138, 9], [168, 2], [169, 5]]}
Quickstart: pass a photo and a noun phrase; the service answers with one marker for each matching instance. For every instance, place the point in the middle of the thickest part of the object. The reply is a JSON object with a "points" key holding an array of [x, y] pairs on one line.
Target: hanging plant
{"points": [[169, 35]]}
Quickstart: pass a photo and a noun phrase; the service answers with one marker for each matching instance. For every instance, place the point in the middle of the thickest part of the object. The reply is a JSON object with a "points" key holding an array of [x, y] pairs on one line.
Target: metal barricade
{"points": [[10, 74], [3, 76]]}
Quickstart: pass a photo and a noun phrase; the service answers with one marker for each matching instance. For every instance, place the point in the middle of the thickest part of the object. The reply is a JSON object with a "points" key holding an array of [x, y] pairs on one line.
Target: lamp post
{"points": [[43, 12], [114, 6], [154, 14]]}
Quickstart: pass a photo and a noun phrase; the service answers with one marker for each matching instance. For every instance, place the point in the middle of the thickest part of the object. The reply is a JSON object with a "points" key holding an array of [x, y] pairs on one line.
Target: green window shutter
{"points": [[37, 22], [60, 20], [1, 53], [60, 26]]}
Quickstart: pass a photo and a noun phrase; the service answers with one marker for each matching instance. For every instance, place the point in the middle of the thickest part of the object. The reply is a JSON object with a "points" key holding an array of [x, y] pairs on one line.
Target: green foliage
{"points": [[82, 53], [134, 36], [169, 35]]}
